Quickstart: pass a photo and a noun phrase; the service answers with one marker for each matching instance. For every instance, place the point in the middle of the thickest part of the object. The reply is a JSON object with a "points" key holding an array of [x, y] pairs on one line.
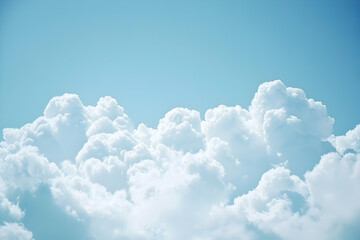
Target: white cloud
{"points": [[283, 204], [180, 129], [351, 141], [334, 184], [25, 169], [235, 173], [14, 231], [10, 208]]}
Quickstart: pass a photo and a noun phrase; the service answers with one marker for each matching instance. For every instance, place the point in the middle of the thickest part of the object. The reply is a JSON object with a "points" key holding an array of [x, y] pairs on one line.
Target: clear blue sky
{"points": [[155, 55]]}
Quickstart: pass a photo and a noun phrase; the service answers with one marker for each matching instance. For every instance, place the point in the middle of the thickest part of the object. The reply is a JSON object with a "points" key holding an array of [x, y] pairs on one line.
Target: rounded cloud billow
{"points": [[272, 171]]}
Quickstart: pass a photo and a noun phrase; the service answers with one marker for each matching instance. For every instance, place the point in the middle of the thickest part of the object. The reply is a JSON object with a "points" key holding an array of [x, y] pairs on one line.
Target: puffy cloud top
{"points": [[351, 141], [180, 129], [256, 173]]}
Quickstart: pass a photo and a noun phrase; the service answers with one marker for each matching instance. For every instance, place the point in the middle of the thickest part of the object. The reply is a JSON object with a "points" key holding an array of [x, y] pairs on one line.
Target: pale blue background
{"points": [[155, 55]]}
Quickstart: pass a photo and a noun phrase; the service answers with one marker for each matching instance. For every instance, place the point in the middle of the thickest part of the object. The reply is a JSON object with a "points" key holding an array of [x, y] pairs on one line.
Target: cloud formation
{"points": [[266, 172]]}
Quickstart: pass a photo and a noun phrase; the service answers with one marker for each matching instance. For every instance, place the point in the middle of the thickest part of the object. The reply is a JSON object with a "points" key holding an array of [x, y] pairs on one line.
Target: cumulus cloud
{"points": [[351, 141], [263, 172], [14, 231]]}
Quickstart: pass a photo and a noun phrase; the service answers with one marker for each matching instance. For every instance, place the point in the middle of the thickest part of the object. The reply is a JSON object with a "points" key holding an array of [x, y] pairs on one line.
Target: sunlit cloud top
{"points": [[274, 170]]}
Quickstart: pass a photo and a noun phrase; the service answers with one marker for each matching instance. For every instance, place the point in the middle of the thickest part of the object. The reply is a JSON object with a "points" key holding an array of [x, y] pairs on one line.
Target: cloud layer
{"points": [[272, 171]]}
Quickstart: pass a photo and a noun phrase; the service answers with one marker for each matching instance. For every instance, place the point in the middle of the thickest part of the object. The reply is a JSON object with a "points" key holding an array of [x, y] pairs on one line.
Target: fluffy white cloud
{"points": [[255, 173], [25, 169], [317, 207], [14, 231], [180, 129], [351, 141]]}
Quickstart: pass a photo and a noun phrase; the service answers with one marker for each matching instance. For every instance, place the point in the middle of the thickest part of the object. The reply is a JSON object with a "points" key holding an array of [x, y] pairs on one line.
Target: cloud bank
{"points": [[272, 171]]}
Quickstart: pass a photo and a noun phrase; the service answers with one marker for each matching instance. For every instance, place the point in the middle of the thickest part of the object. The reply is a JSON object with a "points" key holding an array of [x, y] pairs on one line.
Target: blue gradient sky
{"points": [[152, 57]]}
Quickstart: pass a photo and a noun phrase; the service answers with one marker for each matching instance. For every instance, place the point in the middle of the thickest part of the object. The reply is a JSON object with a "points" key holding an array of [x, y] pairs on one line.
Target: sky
{"points": [[170, 120], [154, 56]]}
